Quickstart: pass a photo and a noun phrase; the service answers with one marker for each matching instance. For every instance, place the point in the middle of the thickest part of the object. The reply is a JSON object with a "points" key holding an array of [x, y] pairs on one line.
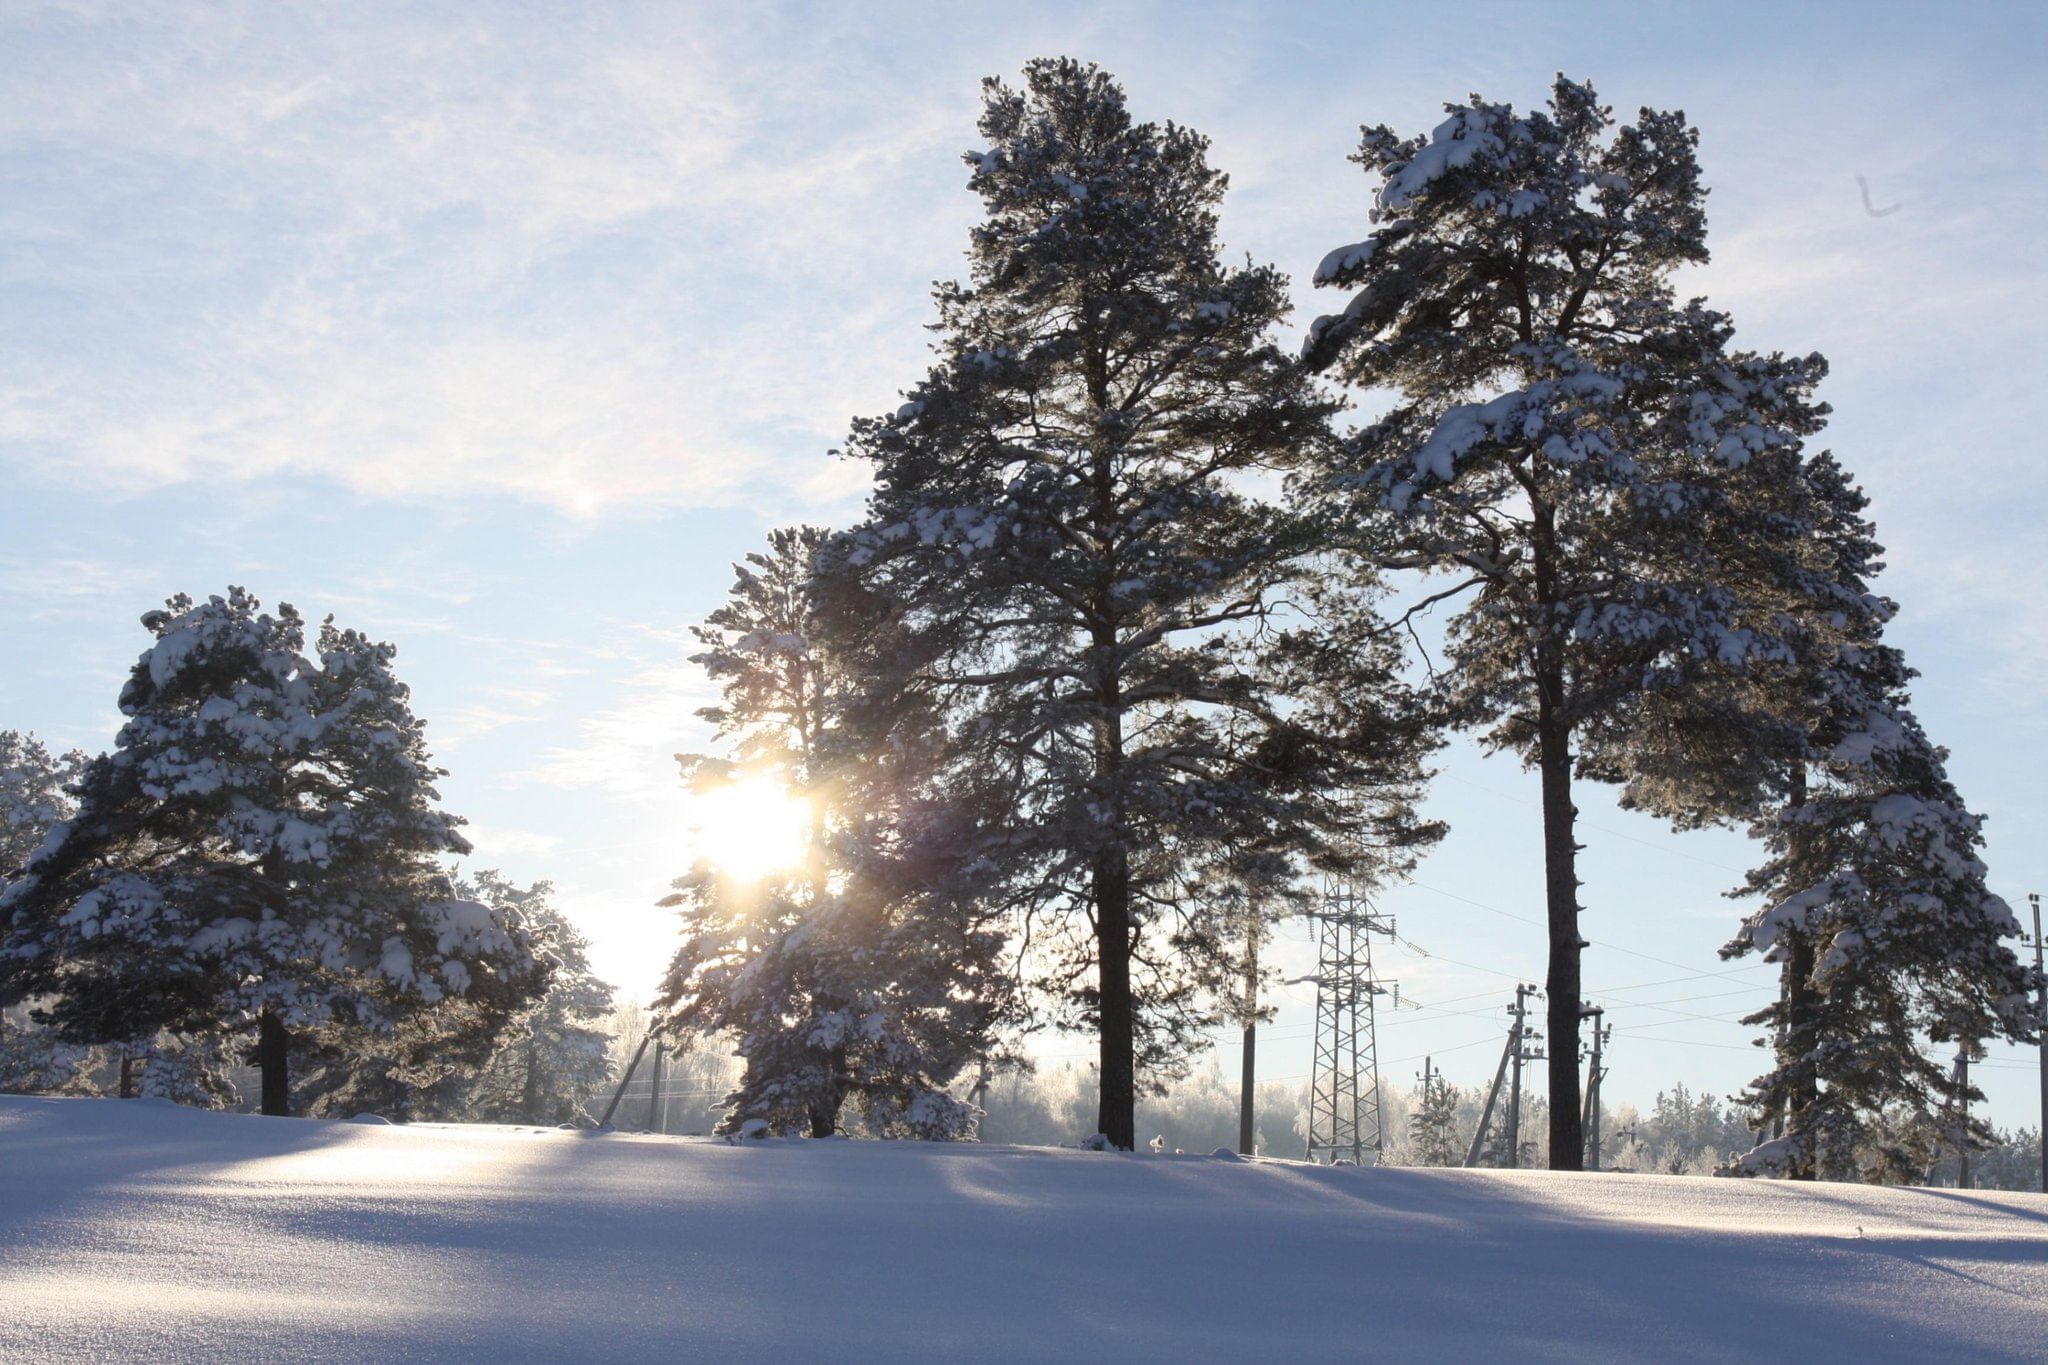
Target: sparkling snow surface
{"points": [[136, 1230]]}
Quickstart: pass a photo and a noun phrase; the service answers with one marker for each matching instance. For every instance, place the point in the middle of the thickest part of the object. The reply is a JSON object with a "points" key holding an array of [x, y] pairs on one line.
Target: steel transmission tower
{"points": [[1344, 1090]]}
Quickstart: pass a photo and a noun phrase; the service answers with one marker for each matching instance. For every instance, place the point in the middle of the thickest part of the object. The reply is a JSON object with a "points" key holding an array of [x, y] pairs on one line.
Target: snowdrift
{"points": [[133, 1230]]}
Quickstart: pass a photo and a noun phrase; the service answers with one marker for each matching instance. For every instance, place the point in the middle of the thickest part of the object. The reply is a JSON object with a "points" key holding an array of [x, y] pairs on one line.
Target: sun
{"points": [[752, 828]]}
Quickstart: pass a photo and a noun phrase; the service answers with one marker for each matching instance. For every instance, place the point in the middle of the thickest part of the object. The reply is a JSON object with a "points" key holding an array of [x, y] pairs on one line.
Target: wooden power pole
{"points": [[1963, 1105], [1522, 1054], [2042, 987], [626, 1079], [1511, 1053], [1492, 1094], [657, 1103], [1589, 1120]]}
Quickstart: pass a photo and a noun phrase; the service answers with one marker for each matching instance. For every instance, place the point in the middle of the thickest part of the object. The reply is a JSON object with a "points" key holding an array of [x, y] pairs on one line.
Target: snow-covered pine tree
{"points": [[33, 800], [1804, 750], [922, 961], [855, 975], [260, 850], [747, 965], [1433, 1127], [1582, 451], [33, 795], [187, 1070], [35, 1061], [1064, 519], [553, 1058], [1875, 903]]}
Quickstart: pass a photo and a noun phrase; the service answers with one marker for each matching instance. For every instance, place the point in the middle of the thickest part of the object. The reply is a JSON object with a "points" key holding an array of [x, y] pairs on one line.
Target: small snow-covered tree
{"points": [[842, 977], [553, 1058], [1589, 460], [33, 796], [35, 1061], [34, 800], [1433, 1127], [751, 962], [260, 850], [1066, 522], [191, 1071]]}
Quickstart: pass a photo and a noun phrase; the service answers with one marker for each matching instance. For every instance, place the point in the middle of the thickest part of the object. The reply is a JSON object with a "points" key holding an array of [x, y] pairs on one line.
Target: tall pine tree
{"points": [[1064, 520], [1587, 456], [1875, 905]]}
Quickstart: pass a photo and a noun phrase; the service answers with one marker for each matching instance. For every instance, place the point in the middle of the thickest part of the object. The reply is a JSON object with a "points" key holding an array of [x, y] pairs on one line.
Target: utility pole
{"points": [[1514, 1045], [1246, 1119], [981, 1080], [1589, 1120], [1963, 1105], [2041, 985], [1522, 1036], [1958, 1077], [1422, 1101], [1514, 1127], [1438, 1131], [625, 1080], [656, 1103]]}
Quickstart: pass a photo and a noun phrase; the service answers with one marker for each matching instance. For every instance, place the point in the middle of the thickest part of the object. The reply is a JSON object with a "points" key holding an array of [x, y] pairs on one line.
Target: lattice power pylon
{"points": [[1344, 1090]]}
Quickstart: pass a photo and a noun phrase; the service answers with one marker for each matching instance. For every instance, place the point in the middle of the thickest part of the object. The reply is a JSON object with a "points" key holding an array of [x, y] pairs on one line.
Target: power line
{"points": [[1604, 829], [1592, 942]]}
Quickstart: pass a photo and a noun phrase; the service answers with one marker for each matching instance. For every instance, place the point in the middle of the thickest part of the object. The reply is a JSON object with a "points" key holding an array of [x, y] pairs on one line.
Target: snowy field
{"points": [[141, 1231]]}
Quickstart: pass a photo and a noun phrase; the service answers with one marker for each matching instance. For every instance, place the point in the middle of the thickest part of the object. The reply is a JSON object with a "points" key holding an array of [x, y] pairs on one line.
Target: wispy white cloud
{"points": [[627, 750], [48, 587], [496, 708], [590, 265], [495, 841]]}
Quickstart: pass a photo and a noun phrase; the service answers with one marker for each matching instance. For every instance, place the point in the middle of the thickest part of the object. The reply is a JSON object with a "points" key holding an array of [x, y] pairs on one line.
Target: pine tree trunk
{"points": [[127, 1075], [825, 1113], [1802, 1002], [272, 1044], [1560, 847], [1118, 1118], [1247, 1118], [1801, 1005], [1561, 894]]}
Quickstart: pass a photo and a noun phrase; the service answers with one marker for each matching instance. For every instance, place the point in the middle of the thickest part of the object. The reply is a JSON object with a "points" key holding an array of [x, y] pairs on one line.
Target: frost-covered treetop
{"points": [[758, 647], [33, 796], [1564, 429], [1522, 298], [1539, 224], [1070, 178]]}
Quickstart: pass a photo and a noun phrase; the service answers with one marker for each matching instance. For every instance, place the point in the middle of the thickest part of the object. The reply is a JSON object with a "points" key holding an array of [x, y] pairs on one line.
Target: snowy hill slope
{"points": [[137, 1230]]}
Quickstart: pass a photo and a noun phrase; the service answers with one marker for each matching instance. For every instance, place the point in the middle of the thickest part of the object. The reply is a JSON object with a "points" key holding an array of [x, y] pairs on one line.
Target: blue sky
{"points": [[499, 331]]}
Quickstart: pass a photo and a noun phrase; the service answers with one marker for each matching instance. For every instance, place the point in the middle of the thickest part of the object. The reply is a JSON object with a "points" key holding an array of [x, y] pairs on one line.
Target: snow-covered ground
{"points": [[138, 1230]]}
